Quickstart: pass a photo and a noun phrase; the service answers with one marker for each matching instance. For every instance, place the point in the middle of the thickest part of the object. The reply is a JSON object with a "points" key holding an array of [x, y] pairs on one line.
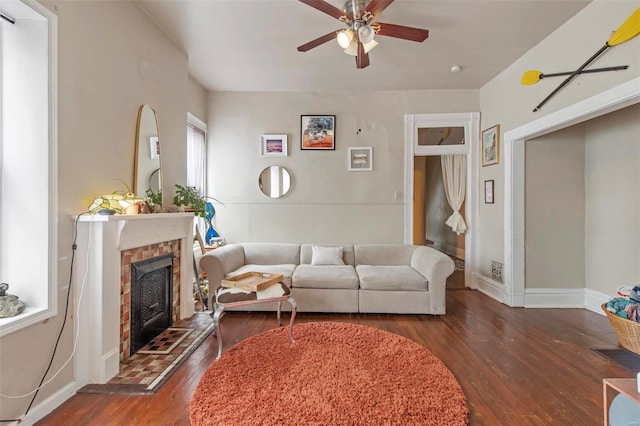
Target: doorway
{"points": [[431, 211], [427, 138]]}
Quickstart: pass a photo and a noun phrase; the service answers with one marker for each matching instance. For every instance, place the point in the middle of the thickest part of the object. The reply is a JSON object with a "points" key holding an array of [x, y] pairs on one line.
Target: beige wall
{"points": [[327, 203], [503, 100], [555, 210], [112, 59], [197, 99], [612, 183]]}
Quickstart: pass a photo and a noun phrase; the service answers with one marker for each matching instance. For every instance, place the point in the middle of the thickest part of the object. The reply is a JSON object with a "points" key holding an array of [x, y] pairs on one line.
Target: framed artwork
{"points": [[488, 191], [274, 145], [318, 132], [154, 147], [360, 159], [491, 145]]}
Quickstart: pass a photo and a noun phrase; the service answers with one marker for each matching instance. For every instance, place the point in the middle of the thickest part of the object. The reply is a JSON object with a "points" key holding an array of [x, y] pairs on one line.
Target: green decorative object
{"points": [[188, 196]]}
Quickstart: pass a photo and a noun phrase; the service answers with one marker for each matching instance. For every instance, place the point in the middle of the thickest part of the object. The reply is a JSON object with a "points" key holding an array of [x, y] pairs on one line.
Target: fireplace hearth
{"points": [[151, 299]]}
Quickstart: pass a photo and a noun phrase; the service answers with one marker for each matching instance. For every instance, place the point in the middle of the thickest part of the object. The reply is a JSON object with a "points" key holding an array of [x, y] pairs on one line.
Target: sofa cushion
{"points": [[326, 255], [326, 276], [384, 254], [271, 253], [306, 253], [285, 270], [390, 278]]}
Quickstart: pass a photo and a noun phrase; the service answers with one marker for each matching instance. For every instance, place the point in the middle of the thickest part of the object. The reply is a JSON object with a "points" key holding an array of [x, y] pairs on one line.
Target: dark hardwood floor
{"points": [[516, 366]]}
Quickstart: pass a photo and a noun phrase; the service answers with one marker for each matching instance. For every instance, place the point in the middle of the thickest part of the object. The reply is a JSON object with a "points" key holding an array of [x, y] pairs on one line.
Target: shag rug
{"points": [[335, 374]]}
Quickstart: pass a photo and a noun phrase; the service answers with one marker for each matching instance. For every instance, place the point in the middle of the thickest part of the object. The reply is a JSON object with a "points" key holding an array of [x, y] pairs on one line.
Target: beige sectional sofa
{"points": [[383, 278]]}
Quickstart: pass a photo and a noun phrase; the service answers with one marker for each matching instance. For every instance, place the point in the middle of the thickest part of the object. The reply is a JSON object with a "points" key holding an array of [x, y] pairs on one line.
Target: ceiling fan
{"points": [[358, 38]]}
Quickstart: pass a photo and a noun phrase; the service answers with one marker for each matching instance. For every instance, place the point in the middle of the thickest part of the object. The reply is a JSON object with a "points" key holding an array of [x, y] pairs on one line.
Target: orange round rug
{"points": [[335, 374]]}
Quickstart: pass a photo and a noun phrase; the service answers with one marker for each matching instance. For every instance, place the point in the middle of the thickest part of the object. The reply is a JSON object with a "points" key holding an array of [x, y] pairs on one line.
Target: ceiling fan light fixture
{"points": [[369, 46], [352, 49], [345, 38], [366, 34]]}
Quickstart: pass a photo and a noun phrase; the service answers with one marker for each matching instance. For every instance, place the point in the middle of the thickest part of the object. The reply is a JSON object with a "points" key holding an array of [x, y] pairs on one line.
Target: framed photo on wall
{"points": [[274, 145], [488, 191], [318, 132], [491, 145], [360, 159]]}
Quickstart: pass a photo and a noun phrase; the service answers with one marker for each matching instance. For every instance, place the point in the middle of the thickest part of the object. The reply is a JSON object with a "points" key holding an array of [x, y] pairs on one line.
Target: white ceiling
{"points": [[250, 45]]}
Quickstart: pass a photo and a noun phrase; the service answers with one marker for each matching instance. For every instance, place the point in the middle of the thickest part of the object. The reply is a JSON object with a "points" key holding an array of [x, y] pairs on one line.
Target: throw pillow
{"points": [[326, 255]]}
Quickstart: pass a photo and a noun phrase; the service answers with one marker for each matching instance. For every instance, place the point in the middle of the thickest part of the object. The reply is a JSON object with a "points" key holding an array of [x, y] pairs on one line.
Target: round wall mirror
{"points": [[274, 181], [147, 173]]}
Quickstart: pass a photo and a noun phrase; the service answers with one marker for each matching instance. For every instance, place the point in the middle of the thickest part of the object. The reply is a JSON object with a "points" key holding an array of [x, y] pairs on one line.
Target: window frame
{"points": [[34, 315]]}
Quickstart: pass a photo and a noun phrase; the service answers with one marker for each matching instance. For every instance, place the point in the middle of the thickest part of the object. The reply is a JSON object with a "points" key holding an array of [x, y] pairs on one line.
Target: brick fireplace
{"points": [[107, 245], [137, 255]]}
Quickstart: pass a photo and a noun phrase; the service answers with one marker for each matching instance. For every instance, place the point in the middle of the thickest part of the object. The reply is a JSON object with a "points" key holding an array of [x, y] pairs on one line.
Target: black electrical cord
{"points": [[74, 246]]}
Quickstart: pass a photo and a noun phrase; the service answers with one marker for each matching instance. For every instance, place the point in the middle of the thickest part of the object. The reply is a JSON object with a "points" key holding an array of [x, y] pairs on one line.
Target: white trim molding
{"points": [[581, 298], [471, 123], [554, 298], [42, 409], [490, 287], [621, 96], [593, 299]]}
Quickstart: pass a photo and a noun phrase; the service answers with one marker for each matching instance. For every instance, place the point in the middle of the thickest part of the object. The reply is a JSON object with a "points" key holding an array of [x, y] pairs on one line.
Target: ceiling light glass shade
{"points": [[352, 49], [366, 34], [344, 38], [369, 46]]}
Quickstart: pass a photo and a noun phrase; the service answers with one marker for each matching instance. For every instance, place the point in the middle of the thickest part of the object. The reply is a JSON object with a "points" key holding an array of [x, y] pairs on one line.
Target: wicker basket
{"points": [[628, 331]]}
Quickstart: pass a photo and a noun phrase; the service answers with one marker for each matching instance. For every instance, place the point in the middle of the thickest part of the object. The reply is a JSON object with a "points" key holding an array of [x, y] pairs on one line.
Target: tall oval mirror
{"points": [[274, 181], [147, 176]]}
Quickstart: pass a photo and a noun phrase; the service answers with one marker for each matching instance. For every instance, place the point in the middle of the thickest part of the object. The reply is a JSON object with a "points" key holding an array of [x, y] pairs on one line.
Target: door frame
{"points": [[619, 97], [471, 124]]}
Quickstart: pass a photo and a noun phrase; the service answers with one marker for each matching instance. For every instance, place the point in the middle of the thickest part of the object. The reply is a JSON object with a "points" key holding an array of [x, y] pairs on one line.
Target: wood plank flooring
{"points": [[516, 366]]}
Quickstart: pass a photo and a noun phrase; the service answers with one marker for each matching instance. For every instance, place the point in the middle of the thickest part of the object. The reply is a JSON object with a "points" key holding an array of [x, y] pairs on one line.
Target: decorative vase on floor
{"points": [[210, 211]]}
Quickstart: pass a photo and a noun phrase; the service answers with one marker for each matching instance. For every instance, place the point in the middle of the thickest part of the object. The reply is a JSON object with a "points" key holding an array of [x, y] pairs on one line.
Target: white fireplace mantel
{"points": [[101, 240]]}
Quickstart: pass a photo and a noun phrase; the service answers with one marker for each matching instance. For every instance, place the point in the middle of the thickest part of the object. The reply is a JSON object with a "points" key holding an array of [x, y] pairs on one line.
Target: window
{"points": [[196, 159], [28, 160], [196, 153]]}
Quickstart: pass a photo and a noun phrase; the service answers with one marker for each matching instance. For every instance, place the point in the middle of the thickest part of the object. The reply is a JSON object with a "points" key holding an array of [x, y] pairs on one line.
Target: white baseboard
{"points": [[490, 287], [593, 299], [583, 298], [39, 411], [554, 298]]}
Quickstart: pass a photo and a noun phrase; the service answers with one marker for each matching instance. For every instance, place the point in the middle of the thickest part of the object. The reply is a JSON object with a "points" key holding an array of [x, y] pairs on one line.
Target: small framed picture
{"points": [[360, 159], [491, 145], [488, 191], [318, 132], [154, 147], [274, 145]]}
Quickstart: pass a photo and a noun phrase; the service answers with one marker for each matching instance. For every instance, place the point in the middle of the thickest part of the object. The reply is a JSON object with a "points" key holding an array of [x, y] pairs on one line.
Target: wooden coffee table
{"points": [[613, 387]]}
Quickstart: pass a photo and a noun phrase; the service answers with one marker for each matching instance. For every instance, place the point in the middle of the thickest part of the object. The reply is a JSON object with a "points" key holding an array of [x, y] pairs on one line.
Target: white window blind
{"points": [[196, 153]]}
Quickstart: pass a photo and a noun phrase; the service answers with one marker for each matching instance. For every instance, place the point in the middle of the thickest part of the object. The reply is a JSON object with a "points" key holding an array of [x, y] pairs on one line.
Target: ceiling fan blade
{"points": [[317, 42], [325, 7], [362, 60], [400, 31], [377, 6]]}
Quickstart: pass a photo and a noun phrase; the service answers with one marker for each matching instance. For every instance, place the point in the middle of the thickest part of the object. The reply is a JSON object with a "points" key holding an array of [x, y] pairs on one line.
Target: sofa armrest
{"points": [[435, 266], [218, 263]]}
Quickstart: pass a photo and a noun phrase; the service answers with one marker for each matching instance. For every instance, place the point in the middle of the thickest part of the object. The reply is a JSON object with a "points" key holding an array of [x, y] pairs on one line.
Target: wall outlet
{"points": [[496, 270], [397, 194]]}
